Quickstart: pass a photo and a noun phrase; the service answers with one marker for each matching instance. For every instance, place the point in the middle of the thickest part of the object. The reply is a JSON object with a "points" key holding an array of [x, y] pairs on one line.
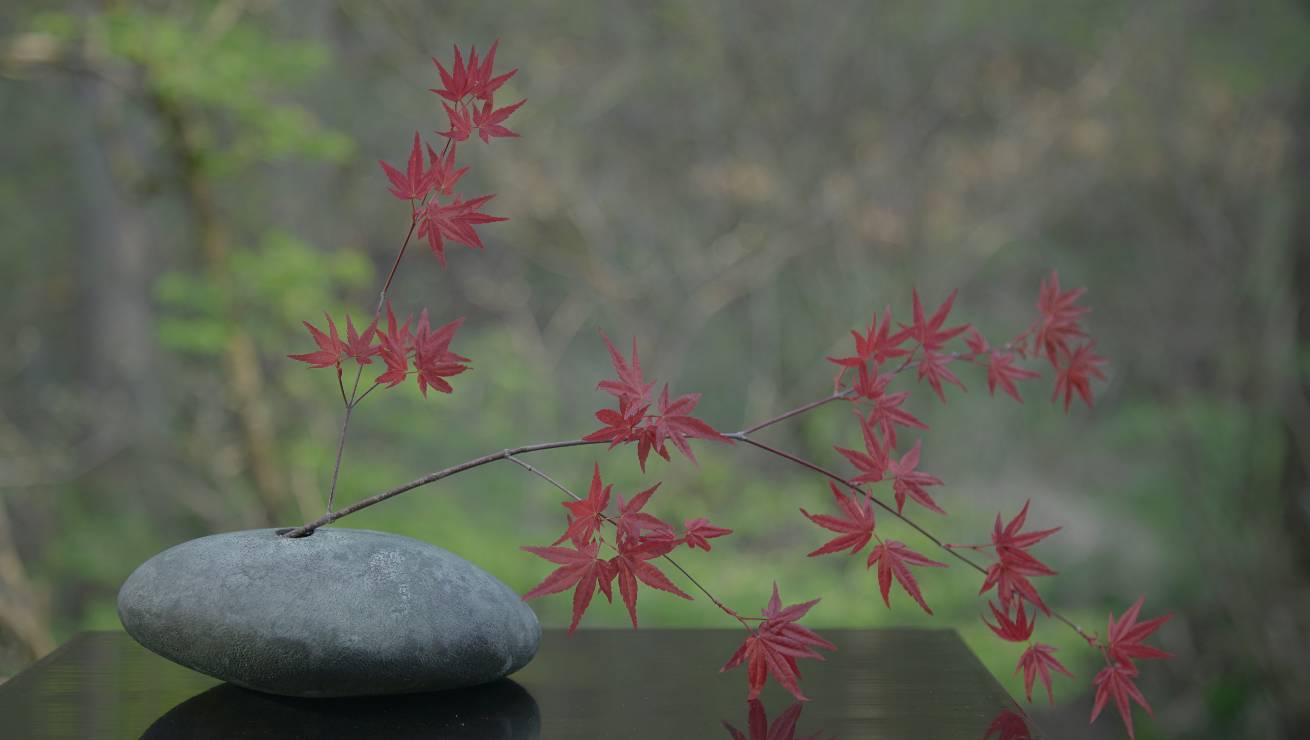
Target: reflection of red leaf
{"points": [[893, 559], [1038, 661], [1009, 725], [579, 569], [776, 645], [782, 728]]}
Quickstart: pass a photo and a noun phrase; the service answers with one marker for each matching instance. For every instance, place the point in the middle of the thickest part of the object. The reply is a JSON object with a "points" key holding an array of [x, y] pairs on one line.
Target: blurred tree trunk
{"points": [[244, 375], [1296, 401]]}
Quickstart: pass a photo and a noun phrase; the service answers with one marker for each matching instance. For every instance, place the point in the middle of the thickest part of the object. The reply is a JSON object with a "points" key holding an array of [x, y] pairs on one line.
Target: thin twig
{"points": [[341, 448], [889, 509], [724, 607]]}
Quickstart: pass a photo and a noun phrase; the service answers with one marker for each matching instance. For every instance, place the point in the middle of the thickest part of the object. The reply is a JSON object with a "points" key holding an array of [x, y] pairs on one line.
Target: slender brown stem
{"points": [[341, 448], [889, 509], [724, 607], [305, 529], [794, 412]]}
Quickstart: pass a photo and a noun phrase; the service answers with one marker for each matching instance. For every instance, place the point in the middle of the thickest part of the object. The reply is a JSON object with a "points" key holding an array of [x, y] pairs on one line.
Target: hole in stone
{"points": [[284, 530]]}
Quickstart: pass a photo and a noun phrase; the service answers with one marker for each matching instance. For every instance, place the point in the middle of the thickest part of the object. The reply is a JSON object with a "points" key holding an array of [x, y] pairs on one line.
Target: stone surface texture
{"points": [[342, 612]]}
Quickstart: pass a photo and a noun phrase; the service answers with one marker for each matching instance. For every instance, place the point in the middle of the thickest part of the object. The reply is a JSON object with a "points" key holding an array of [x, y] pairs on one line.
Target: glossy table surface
{"points": [[921, 684]]}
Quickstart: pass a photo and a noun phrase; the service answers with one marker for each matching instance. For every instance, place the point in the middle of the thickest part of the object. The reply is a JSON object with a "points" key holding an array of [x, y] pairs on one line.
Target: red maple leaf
{"points": [[872, 463], [432, 356], [932, 366], [454, 221], [579, 569], [1014, 565], [1038, 660], [330, 347], [394, 346], [630, 386], [910, 482], [1001, 371], [1009, 725], [631, 567], [854, 526], [1117, 682], [697, 533], [471, 79], [488, 121], [929, 332], [1125, 636], [893, 559], [675, 424], [461, 123], [632, 521], [587, 515], [885, 412], [875, 346], [1059, 322], [1017, 629], [1079, 367], [443, 174], [360, 346], [776, 645], [415, 182]]}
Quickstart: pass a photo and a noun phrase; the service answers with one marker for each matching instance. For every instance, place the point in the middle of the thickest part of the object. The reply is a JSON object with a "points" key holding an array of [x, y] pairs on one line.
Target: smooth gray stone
{"points": [[343, 612]]}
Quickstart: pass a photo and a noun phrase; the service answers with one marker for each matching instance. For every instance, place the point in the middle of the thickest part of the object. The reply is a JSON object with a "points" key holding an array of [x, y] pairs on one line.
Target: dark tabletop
{"points": [[902, 684]]}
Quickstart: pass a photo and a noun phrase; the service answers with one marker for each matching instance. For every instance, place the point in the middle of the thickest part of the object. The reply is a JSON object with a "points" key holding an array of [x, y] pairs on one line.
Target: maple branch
{"points": [[537, 472], [341, 448], [789, 414], [741, 436], [476, 462]]}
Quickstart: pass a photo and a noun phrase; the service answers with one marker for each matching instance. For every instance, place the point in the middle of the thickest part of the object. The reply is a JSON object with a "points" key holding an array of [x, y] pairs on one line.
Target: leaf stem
{"points": [[724, 607]]}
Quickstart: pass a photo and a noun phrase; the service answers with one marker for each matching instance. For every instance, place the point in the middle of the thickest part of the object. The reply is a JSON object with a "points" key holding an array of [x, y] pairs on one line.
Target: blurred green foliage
{"points": [[736, 185]]}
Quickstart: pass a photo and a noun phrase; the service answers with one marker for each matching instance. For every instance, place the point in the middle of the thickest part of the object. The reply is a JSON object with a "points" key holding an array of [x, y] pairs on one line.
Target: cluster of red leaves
{"points": [[428, 348], [639, 537], [439, 213], [468, 91], [775, 645], [633, 420], [1123, 647], [855, 528]]}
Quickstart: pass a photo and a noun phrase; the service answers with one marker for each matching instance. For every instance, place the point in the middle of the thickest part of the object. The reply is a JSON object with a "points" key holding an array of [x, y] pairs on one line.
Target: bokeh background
{"points": [[736, 184]]}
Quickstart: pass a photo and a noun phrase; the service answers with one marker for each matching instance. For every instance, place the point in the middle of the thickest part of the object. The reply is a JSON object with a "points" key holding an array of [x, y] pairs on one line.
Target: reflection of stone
{"points": [[502, 710], [341, 612]]}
